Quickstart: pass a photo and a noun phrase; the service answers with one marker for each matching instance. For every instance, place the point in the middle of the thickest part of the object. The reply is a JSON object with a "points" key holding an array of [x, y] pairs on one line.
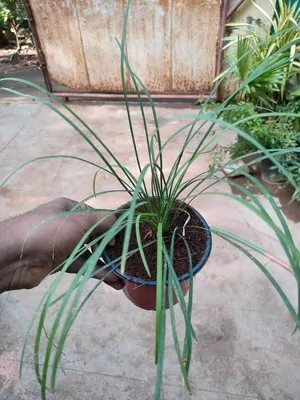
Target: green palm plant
{"points": [[253, 48], [157, 200]]}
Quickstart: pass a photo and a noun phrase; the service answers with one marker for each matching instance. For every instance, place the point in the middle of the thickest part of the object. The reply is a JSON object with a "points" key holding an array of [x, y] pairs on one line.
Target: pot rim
{"points": [[196, 268]]}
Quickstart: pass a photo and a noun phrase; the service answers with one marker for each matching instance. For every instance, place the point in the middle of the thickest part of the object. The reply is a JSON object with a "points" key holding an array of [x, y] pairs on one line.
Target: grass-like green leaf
{"points": [[160, 294], [184, 361], [161, 340]]}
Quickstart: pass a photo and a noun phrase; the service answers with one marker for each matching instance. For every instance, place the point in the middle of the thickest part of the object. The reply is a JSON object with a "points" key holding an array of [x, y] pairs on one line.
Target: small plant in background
{"points": [[278, 130], [159, 216], [218, 155], [293, 106], [246, 117], [294, 169], [273, 132], [13, 16]]}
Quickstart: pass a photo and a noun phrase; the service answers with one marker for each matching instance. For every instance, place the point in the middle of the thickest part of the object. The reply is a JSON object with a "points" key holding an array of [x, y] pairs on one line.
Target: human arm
{"points": [[29, 250]]}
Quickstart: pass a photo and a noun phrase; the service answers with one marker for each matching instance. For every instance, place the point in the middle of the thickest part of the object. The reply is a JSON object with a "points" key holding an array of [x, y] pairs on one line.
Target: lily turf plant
{"points": [[156, 200]]}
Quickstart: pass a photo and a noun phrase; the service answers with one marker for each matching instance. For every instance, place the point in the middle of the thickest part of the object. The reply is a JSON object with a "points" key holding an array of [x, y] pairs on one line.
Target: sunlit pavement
{"points": [[245, 347]]}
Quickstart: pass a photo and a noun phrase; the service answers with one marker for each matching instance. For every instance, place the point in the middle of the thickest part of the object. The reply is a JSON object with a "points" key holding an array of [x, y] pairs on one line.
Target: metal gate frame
{"points": [[226, 12]]}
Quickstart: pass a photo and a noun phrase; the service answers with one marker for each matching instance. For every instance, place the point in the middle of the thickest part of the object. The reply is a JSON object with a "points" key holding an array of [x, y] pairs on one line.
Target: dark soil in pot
{"points": [[195, 237]]}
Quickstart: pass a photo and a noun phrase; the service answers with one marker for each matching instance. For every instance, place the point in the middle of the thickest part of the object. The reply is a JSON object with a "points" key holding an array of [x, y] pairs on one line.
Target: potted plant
{"points": [[294, 169], [152, 226], [275, 130], [265, 58], [251, 50], [142, 273]]}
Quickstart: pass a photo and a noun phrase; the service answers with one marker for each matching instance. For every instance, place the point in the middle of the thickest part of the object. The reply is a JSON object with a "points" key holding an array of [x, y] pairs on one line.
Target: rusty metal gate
{"points": [[173, 45]]}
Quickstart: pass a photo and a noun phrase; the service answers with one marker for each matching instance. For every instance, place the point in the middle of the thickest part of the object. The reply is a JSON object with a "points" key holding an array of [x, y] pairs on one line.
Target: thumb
{"points": [[111, 279]]}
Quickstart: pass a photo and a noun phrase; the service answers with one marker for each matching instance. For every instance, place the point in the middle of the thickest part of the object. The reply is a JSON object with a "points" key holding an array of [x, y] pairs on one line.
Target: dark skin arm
{"points": [[28, 255]]}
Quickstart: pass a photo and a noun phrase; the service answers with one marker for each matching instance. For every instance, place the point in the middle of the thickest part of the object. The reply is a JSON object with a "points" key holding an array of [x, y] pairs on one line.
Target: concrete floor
{"points": [[245, 347]]}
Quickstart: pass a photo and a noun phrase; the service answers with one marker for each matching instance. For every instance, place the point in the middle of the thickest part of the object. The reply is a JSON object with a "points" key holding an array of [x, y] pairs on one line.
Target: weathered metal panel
{"points": [[171, 44], [149, 42], [194, 35], [100, 23], [59, 34]]}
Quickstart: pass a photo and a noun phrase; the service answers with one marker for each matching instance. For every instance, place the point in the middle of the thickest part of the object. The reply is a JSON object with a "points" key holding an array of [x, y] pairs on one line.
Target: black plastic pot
{"points": [[269, 172]]}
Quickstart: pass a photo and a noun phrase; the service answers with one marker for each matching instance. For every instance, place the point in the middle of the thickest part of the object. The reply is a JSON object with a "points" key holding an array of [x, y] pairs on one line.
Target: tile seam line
{"points": [[24, 126], [139, 380], [11, 139]]}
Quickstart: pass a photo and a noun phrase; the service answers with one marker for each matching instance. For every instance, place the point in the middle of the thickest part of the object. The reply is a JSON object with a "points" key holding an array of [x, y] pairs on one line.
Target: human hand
{"points": [[28, 255]]}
